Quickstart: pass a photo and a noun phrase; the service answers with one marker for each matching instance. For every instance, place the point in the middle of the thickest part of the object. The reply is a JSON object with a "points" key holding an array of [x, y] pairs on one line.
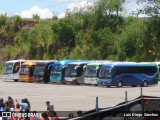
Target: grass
{"points": [[1, 69]]}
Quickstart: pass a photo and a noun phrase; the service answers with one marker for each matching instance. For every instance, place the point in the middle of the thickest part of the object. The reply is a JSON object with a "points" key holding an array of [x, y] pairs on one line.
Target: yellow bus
{"points": [[26, 71]]}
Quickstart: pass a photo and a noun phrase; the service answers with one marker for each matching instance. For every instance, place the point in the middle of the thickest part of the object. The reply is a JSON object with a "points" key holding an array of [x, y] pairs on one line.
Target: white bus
{"points": [[11, 70]]}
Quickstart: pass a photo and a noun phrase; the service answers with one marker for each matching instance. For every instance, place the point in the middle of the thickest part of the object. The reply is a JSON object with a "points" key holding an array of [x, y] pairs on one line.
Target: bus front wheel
{"points": [[120, 84], [15, 80], [145, 84]]}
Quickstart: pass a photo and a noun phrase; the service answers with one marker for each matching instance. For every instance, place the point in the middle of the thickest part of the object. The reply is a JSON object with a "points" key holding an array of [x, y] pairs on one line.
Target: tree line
{"points": [[99, 32]]}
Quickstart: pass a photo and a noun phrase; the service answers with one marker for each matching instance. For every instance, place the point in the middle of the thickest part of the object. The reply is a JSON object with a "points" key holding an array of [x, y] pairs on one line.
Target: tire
{"points": [[45, 82], [15, 80], [145, 84], [77, 83], [119, 84]]}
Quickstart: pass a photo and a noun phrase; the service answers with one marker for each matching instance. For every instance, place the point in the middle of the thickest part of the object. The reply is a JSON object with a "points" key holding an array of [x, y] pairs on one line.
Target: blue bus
{"points": [[128, 74], [58, 70]]}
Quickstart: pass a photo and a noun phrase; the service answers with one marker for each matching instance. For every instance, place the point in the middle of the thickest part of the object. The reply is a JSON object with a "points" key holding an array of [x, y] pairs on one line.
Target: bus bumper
{"points": [[70, 81], [7, 77], [105, 82]]}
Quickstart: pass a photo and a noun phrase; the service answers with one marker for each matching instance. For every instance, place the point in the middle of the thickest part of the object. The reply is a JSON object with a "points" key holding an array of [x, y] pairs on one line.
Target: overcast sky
{"points": [[48, 8]]}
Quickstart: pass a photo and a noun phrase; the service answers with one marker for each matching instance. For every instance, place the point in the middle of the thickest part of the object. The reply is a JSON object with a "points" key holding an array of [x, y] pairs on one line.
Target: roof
{"points": [[13, 61], [128, 64], [64, 62], [29, 63], [78, 63], [97, 63]]}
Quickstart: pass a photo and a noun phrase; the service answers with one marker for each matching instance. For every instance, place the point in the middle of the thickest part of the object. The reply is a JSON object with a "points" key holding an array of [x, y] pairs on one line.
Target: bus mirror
{"points": [[97, 67], [64, 67], [49, 67], [76, 67], [84, 68]]}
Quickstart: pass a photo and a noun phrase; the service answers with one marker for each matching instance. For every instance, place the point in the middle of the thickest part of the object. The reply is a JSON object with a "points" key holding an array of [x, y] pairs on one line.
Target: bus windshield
{"points": [[105, 73], [39, 71], [56, 68], [25, 70], [71, 71], [8, 68], [91, 71]]}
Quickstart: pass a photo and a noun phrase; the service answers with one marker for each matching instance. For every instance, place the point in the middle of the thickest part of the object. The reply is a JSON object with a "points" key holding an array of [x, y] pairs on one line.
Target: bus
{"points": [[42, 71], [11, 70], [74, 73], [26, 71], [91, 72], [158, 64], [128, 74], [58, 71]]}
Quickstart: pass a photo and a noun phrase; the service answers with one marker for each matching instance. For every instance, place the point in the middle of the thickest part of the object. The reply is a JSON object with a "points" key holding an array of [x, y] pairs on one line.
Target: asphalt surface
{"points": [[71, 97]]}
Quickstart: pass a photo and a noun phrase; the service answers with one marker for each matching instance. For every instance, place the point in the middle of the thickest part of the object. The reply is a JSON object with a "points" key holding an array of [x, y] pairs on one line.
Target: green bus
{"points": [[91, 71]]}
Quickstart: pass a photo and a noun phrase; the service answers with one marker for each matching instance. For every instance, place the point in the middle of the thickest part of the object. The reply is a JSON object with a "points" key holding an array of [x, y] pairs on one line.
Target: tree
{"points": [[2, 20], [150, 7], [17, 22], [107, 14], [36, 17], [65, 34]]}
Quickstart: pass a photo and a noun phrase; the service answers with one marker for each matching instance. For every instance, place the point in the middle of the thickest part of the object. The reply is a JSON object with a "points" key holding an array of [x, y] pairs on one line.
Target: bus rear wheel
{"points": [[145, 84], [119, 84]]}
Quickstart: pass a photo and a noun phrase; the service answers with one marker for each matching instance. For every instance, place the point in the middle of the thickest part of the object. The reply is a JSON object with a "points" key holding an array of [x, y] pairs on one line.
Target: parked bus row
{"points": [[89, 72]]}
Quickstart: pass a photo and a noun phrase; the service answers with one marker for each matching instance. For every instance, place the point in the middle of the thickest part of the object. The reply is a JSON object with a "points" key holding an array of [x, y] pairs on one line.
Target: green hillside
{"points": [[99, 32]]}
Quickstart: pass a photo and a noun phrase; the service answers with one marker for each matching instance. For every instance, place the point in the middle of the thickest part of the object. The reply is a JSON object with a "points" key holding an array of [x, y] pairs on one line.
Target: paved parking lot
{"points": [[70, 97]]}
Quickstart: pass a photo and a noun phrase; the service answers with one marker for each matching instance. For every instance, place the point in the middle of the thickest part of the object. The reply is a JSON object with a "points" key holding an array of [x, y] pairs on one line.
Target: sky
{"points": [[48, 8]]}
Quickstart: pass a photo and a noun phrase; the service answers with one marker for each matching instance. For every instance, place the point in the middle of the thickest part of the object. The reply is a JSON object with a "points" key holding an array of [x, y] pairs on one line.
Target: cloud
{"points": [[79, 5], [42, 12], [76, 6]]}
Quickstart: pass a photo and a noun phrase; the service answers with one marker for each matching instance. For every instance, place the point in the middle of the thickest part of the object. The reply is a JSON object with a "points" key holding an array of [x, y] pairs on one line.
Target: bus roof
{"points": [[97, 63], [158, 63], [44, 63], [29, 63], [64, 62], [129, 64], [78, 63], [13, 61]]}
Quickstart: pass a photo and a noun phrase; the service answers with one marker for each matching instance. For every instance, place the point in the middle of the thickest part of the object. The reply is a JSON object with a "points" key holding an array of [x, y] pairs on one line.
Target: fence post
{"points": [[126, 96], [126, 103], [96, 104], [141, 94]]}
